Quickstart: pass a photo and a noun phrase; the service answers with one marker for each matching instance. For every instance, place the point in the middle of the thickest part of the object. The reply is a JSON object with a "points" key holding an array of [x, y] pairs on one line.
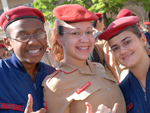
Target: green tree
{"points": [[100, 6]]}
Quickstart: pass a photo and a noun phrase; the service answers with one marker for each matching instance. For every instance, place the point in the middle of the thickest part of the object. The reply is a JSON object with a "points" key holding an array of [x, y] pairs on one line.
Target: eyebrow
{"points": [[24, 31], [121, 41]]}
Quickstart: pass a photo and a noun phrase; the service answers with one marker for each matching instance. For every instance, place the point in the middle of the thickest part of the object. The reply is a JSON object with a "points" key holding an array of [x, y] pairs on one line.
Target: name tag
{"points": [[83, 87], [11, 106]]}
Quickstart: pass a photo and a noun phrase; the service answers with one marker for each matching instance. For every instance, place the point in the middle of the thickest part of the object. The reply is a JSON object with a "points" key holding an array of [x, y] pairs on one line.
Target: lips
{"points": [[126, 57]]}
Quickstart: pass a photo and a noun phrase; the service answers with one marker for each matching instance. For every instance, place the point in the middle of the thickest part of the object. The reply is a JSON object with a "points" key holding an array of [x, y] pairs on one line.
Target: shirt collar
{"points": [[13, 60], [68, 68]]}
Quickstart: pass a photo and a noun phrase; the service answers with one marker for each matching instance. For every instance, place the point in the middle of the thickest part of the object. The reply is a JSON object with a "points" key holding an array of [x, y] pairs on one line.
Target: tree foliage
{"points": [[101, 6], [143, 3]]}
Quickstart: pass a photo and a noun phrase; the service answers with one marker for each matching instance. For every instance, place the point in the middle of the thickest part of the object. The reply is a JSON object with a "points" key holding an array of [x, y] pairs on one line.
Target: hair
{"points": [[56, 48], [7, 32], [134, 29], [95, 22]]}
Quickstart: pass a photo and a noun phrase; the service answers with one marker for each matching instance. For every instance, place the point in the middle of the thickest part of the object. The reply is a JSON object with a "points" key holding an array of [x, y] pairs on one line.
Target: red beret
{"points": [[146, 23], [73, 13], [117, 26], [123, 13], [99, 14], [17, 13], [2, 45]]}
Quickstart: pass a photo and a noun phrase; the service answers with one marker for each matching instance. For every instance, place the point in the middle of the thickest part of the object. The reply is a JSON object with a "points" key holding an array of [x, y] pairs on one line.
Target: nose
{"points": [[84, 38], [123, 50]]}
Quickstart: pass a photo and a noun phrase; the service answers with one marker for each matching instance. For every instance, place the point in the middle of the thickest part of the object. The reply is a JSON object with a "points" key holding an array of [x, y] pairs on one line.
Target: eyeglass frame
{"points": [[81, 33], [30, 37], [123, 45]]}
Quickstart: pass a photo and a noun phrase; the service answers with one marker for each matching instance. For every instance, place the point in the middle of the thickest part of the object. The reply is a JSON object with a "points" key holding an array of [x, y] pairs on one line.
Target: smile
{"points": [[83, 48], [34, 51], [127, 56]]}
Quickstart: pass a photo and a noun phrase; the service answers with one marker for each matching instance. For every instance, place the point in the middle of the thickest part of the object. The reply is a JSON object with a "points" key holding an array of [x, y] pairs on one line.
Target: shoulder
{"points": [[124, 84], [49, 69], [4, 63]]}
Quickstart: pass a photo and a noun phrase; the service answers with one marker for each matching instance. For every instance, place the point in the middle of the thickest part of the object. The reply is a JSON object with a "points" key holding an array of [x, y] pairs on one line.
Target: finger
{"points": [[88, 107], [115, 108], [100, 109], [29, 104], [42, 110]]}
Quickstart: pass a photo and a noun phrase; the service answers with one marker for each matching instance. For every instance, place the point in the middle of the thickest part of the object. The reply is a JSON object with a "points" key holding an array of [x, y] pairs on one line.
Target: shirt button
{"points": [[89, 91], [94, 75], [108, 89]]}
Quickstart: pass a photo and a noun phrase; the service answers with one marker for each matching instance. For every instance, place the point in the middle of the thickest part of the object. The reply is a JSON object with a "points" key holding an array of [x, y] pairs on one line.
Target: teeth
{"points": [[127, 56], [34, 51], [83, 48]]}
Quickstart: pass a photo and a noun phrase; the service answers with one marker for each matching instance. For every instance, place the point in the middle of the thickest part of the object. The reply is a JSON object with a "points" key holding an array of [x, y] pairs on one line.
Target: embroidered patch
{"points": [[11, 106], [83, 87], [130, 106]]}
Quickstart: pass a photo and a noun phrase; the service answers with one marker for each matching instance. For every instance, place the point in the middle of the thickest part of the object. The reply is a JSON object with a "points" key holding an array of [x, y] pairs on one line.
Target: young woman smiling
{"points": [[128, 46]]}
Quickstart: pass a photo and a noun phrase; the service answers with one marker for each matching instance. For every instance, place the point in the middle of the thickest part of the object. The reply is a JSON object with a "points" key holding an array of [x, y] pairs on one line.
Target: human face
{"points": [[29, 52], [78, 47], [131, 55], [2, 53], [101, 25]]}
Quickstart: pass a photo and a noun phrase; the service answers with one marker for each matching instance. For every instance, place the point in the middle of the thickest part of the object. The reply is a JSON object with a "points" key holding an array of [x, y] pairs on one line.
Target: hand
{"points": [[101, 108], [30, 104]]}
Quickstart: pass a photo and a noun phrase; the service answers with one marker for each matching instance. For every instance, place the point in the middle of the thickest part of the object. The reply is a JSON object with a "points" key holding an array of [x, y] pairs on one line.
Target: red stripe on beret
{"points": [[117, 26], [19, 12], [73, 13]]}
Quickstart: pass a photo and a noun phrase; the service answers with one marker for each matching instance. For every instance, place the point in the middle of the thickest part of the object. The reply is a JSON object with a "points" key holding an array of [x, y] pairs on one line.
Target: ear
{"points": [[8, 44], [59, 39], [143, 39]]}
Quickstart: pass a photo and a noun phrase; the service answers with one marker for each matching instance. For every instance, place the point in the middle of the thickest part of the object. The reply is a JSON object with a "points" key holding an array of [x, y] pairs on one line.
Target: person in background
{"points": [[78, 80], [128, 46], [147, 33], [124, 13], [23, 73], [3, 54], [101, 53]]}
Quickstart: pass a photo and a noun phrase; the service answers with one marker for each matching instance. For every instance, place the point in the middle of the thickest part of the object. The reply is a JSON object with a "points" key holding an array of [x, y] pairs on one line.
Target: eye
{"points": [[127, 42], [89, 32], [75, 33], [22, 37], [115, 48]]}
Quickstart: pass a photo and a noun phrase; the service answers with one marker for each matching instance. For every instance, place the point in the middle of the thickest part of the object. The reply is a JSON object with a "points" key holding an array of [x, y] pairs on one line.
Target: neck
{"points": [[140, 71], [75, 62], [31, 70]]}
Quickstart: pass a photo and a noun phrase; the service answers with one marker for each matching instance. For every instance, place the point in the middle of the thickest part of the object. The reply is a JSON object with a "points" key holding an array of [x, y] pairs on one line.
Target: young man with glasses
{"points": [[23, 73]]}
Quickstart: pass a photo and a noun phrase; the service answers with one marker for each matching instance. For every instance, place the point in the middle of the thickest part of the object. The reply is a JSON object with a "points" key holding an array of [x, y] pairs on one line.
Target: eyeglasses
{"points": [[126, 43], [25, 38], [77, 34]]}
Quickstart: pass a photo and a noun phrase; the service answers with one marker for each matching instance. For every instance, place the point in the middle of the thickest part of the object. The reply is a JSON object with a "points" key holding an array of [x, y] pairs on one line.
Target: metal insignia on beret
{"points": [[7, 17]]}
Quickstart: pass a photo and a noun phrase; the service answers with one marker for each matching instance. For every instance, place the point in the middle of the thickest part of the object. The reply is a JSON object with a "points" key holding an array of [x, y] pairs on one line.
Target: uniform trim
{"points": [[69, 72], [130, 106], [11, 106], [53, 76]]}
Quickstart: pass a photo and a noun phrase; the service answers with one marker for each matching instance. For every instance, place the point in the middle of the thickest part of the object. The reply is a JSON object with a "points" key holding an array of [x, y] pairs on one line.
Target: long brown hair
{"points": [[57, 50]]}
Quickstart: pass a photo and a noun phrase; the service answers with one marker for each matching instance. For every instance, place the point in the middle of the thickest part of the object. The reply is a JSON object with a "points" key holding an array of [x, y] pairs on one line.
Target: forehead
{"points": [[79, 25], [26, 24], [118, 38]]}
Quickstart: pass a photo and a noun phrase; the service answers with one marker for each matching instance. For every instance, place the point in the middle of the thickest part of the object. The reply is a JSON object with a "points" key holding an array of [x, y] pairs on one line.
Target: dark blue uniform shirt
{"points": [[147, 37], [16, 84], [136, 100]]}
